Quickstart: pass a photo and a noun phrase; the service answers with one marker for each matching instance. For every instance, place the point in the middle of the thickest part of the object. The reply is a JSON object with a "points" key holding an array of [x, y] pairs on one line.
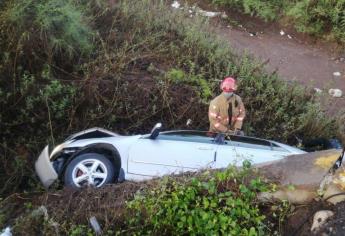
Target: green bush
{"points": [[324, 19], [268, 9], [203, 87], [51, 27], [318, 17], [213, 204]]}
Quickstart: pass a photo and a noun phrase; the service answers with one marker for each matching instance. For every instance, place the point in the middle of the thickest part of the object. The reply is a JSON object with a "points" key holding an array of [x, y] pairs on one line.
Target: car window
{"points": [[188, 136], [248, 142]]}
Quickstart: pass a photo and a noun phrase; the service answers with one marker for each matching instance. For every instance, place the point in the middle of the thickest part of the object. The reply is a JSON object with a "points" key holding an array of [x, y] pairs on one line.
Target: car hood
{"points": [[95, 132]]}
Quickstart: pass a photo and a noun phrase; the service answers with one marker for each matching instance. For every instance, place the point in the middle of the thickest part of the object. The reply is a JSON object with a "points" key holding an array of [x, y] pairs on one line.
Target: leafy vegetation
{"points": [[318, 18], [205, 203], [218, 205]]}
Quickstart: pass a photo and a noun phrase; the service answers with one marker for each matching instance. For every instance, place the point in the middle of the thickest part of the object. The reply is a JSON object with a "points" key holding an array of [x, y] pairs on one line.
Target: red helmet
{"points": [[228, 85]]}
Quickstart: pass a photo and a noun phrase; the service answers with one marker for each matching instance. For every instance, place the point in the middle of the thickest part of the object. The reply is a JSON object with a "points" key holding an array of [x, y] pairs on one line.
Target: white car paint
{"points": [[177, 151], [163, 157]]}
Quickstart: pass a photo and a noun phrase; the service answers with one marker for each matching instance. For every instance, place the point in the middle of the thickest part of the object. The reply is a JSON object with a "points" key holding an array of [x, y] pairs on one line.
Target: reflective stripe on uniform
{"points": [[212, 114], [234, 118]]}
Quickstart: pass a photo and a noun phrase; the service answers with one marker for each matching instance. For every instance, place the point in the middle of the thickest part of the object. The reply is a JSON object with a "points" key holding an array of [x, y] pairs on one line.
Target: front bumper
{"points": [[44, 168]]}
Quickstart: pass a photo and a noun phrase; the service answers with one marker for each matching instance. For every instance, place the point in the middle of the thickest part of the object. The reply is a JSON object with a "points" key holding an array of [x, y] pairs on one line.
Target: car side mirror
{"points": [[155, 131]]}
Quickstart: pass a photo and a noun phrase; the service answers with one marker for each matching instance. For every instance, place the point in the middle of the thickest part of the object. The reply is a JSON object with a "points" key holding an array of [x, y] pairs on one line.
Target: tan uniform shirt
{"points": [[218, 113]]}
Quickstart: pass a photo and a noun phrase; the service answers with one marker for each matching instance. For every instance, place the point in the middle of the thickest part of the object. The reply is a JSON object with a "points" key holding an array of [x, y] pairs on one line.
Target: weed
{"points": [[79, 230]]}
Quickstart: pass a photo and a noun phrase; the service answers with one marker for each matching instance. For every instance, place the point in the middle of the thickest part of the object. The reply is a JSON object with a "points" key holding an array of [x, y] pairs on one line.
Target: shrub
{"points": [[213, 204], [267, 10], [318, 17], [52, 28], [324, 19]]}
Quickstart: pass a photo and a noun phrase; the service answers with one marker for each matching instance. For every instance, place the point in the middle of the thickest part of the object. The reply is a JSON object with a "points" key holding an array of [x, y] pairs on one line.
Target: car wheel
{"points": [[121, 177], [89, 169]]}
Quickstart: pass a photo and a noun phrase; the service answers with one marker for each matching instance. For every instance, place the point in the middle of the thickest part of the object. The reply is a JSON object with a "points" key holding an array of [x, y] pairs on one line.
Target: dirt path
{"points": [[292, 59], [294, 56]]}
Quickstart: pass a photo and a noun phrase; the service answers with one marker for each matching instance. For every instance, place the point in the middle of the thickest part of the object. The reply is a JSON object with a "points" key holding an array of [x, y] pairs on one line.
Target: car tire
{"points": [[122, 176], [89, 169]]}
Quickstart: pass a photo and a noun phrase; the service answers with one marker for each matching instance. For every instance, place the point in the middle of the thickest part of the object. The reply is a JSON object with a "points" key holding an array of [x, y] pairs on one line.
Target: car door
{"points": [[237, 149], [171, 153]]}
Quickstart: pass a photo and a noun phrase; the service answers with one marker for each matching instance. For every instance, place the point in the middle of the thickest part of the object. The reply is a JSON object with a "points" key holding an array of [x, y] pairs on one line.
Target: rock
{"points": [[337, 93], [306, 172], [337, 73], [296, 196], [282, 33], [306, 169], [320, 218], [336, 187], [331, 194]]}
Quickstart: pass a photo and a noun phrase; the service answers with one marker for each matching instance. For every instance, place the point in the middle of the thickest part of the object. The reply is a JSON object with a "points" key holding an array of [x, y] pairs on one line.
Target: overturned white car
{"points": [[98, 157]]}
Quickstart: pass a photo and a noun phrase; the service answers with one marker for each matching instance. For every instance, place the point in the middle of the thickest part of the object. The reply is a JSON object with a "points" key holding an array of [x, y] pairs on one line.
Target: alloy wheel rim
{"points": [[90, 172]]}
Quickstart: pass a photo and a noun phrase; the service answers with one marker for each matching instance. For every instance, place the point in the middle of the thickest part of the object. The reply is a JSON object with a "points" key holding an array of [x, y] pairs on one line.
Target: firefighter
{"points": [[226, 111]]}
